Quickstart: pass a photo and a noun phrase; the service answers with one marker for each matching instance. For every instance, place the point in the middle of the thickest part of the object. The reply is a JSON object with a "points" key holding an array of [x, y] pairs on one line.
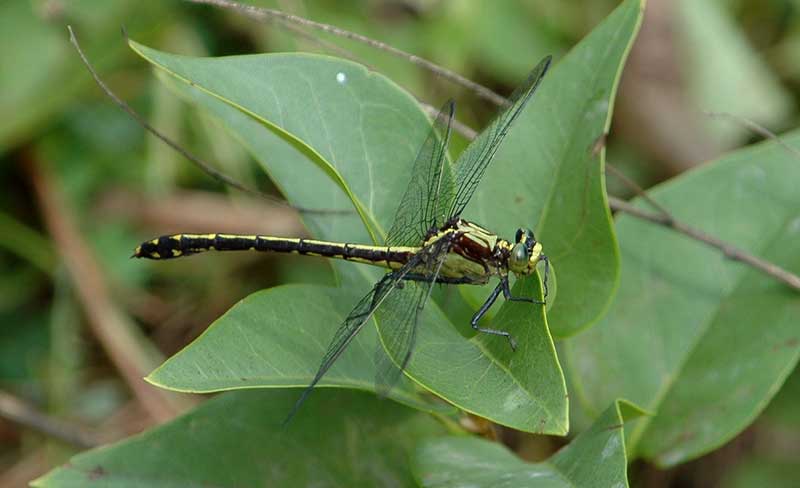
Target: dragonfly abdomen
{"points": [[178, 245]]}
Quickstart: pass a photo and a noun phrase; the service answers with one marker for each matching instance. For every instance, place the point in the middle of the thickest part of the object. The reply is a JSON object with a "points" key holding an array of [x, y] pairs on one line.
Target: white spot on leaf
{"points": [[611, 446], [341, 77], [794, 225], [538, 474], [514, 400]]}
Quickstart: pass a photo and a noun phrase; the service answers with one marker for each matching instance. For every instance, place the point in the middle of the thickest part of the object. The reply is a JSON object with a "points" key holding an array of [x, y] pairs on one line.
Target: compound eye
{"points": [[519, 256], [520, 233], [530, 235]]}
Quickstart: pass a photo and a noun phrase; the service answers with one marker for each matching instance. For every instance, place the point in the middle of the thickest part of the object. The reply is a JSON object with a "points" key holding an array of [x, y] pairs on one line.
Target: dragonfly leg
{"points": [[546, 274], [507, 294], [482, 311]]}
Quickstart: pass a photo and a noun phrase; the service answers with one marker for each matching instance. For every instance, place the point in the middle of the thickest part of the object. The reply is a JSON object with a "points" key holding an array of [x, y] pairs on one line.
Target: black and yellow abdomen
{"points": [[179, 245]]}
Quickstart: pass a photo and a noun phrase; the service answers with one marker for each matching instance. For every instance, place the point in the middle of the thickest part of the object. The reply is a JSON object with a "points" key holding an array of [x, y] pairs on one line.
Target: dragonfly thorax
{"points": [[477, 253]]}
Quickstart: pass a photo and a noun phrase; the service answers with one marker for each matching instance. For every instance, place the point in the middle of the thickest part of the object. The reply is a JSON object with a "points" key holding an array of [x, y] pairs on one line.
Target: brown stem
{"points": [[638, 190], [727, 249], [757, 128], [115, 332], [468, 132], [264, 13], [20, 412]]}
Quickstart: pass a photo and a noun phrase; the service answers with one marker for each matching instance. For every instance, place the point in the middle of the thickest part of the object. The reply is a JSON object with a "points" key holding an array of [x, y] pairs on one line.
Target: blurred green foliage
{"points": [[740, 56]]}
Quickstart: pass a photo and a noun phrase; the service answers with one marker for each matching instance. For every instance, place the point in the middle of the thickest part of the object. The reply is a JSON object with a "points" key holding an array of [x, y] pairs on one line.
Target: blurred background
{"points": [[81, 324]]}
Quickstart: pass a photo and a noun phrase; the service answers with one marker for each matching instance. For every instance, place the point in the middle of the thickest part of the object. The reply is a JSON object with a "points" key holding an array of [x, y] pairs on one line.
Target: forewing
{"points": [[398, 325], [353, 324], [476, 157], [430, 184], [398, 318]]}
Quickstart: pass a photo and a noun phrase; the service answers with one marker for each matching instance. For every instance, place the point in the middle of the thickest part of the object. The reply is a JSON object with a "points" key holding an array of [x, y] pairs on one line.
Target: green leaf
{"points": [[772, 459], [235, 440], [781, 415], [277, 337], [362, 131], [595, 458], [523, 389], [549, 172], [327, 144], [335, 132], [703, 341]]}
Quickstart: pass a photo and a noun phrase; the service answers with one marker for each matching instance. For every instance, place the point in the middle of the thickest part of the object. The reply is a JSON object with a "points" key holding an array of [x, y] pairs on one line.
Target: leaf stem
{"points": [[757, 128], [727, 249], [264, 13]]}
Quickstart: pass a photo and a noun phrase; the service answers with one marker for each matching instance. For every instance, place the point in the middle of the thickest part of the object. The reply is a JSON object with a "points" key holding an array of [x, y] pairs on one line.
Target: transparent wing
{"points": [[398, 318], [354, 322], [430, 185], [472, 163]]}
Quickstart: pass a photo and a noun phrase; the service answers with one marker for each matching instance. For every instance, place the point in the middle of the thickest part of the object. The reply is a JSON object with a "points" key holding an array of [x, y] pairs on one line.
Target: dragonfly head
{"points": [[525, 254]]}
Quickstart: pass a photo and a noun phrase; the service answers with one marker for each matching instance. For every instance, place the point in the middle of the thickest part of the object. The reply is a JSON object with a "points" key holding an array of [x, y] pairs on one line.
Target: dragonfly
{"points": [[428, 242]]}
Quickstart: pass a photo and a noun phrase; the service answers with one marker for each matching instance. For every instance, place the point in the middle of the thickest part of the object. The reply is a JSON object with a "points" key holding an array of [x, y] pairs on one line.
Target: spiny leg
{"points": [[482, 311], [546, 274], [507, 294]]}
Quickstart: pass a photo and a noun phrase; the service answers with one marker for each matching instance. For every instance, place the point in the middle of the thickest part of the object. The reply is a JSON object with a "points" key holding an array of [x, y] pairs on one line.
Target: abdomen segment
{"points": [[178, 245]]}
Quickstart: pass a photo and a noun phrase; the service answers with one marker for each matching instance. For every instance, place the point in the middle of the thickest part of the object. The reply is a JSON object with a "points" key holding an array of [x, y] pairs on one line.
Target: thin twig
{"points": [[478, 89], [727, 249], [141, 120], [196, 160], [264, 13], [757, 128], [466, 131], [20, 412], [334, 48], [639, 191]]}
